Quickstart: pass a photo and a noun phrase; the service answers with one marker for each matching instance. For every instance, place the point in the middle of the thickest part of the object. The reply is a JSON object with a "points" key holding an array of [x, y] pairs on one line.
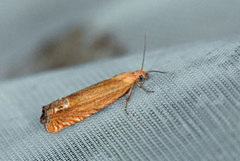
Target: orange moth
{"points": [[82, 104]]}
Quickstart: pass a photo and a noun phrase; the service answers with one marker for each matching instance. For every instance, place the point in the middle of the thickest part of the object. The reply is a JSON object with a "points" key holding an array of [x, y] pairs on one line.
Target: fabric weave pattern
{"points": [[193, 114]]}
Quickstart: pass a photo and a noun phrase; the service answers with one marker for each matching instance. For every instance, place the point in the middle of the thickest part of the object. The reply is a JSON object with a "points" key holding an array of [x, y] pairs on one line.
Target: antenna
{"points": [[144, 50], [155, 71]]}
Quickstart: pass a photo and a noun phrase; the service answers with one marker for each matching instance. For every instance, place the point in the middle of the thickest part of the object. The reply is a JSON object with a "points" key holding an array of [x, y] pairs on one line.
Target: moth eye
{"points": [[141, 78]]}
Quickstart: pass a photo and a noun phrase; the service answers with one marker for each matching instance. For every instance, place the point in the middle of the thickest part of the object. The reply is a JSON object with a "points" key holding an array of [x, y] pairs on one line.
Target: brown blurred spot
{"points": [[76, 47]]}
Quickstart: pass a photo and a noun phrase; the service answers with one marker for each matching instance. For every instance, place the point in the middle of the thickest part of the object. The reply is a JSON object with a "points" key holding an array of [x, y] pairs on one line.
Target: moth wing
{"points": [[88, 101]]}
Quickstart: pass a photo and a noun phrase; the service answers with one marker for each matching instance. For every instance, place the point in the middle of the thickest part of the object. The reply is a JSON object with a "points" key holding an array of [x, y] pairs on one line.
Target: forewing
{"points": [[81, 104]]}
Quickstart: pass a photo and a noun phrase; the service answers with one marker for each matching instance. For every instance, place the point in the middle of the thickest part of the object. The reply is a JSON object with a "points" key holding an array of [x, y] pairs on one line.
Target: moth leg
{"points": [[127, 98], [147, 91]]}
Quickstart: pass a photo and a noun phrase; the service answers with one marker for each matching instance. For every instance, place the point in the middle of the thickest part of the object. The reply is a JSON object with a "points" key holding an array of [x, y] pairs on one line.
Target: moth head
{"points": [[141, 76], [53, 108]]}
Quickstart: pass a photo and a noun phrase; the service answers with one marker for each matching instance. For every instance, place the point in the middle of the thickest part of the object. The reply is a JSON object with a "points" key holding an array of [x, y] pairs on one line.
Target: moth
{"points": [[77, 106]]}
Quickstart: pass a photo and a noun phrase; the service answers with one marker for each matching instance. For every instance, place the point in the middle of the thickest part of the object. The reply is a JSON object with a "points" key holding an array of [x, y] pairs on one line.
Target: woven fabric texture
{"points": [[193, 114]]}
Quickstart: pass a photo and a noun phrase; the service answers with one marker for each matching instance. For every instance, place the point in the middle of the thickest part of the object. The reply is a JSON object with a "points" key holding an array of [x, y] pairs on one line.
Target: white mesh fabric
{"points": [[193, 114]]}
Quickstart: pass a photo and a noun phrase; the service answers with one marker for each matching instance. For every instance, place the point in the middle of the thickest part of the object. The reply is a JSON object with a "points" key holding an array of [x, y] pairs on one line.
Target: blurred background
{"points": [[41, 35]]}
